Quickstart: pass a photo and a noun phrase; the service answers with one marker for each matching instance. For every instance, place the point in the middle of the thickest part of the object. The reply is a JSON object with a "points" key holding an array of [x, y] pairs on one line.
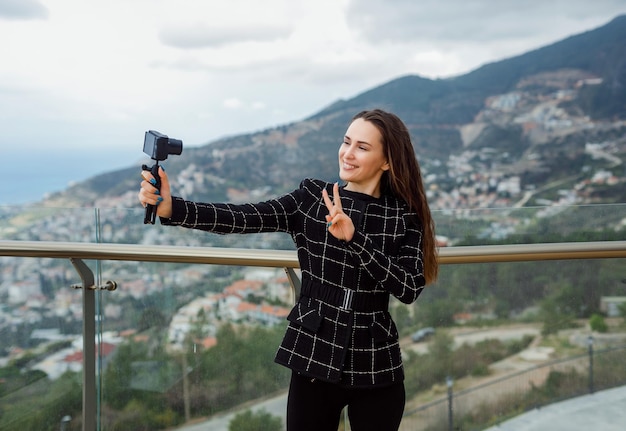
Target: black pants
{"points": [[317, 406]]}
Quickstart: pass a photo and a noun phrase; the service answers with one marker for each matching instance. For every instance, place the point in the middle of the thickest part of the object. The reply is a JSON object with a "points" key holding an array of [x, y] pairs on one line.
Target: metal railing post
{"points": [[89, 344], [590, 345], [294, 281], [450, 415]]}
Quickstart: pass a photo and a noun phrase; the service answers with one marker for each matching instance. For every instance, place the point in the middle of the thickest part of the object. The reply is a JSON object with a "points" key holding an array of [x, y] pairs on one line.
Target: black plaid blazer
{"points": [[340, 329]]}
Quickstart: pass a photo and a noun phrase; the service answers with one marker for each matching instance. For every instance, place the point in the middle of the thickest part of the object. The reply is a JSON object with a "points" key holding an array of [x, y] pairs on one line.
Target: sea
{"points": [[27, 177]]}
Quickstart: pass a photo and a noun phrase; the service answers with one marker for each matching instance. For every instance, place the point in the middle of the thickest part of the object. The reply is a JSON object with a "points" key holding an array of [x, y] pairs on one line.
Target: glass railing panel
{"points": [[511, 337], [41, 358], [30, 223], [134, 322], [519, 330], [189, 342]]}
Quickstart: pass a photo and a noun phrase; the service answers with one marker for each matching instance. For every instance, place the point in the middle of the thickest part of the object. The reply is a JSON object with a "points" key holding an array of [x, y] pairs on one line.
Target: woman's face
{"points": [[361, 158]]}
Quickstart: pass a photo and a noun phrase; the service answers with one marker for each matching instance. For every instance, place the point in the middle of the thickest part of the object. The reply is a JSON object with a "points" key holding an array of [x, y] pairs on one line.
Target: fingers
{"points": [[337, 198], [327, 201], [147, 175], [334, 206], [163, 176], [337, 222], [148, 192]]}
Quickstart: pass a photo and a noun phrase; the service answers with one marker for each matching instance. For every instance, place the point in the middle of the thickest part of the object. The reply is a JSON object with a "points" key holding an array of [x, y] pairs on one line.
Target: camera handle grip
{"points": [[150, 216]]}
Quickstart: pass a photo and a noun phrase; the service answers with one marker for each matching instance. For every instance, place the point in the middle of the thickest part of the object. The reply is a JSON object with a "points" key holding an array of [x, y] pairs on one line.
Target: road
{"points": [[276, 406], [475, 336]]}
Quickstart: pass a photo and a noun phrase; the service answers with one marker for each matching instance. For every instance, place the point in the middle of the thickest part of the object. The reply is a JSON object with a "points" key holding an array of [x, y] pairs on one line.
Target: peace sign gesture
{"points": [[339, 224]]}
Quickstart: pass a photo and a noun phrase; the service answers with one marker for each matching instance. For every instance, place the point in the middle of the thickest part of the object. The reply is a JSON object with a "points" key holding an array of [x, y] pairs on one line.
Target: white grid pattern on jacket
{"points": [[358, 348]]}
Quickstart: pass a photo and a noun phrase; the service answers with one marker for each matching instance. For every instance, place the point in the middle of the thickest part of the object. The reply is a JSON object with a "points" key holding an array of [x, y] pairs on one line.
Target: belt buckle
{"points": [[348, 296]]}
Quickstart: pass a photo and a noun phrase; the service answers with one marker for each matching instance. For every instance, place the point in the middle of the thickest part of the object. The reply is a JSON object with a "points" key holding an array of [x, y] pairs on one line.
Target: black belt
{"points": [[346, 299]]}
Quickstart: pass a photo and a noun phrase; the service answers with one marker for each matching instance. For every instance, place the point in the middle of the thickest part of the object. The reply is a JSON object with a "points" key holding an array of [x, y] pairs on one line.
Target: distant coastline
{"points": [[26, 178]]}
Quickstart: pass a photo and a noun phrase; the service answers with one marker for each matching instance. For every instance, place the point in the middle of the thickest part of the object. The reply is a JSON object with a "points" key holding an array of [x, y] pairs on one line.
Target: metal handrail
{"points": [[288, 259], [151, 253]]}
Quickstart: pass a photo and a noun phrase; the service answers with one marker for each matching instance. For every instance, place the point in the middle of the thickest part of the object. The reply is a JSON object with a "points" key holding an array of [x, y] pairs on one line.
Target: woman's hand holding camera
{"points": [[149, 194]]}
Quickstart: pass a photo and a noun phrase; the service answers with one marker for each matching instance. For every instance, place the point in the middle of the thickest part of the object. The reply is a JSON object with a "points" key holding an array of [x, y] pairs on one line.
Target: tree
{"points": [[436, 313], [563, 302], [199, 326], [402, 317], [151, 317], [554, 317], [441, 355], [260, 420], [597, 323], [240, 367]]}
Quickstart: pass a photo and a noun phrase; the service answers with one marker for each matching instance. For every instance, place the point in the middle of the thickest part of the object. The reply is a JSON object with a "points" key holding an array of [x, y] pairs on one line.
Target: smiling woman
{"points": [[357, 245]]}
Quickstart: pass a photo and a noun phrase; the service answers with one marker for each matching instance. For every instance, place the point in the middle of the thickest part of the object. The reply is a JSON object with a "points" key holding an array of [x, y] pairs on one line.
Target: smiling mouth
{"points": [[347, 166]]}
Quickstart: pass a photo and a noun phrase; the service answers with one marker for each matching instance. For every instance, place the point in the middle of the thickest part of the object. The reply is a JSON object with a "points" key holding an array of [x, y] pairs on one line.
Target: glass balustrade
{"points": [[190, 346]]}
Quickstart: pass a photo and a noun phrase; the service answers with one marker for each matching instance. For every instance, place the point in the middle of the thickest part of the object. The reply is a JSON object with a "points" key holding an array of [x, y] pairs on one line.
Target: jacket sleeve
{"points": [[402, 274], [274, 215]]}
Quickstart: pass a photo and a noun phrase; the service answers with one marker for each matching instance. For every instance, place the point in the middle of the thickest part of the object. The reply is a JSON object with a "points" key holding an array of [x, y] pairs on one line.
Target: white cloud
{"points": [[233, 103], [478, 20], [205, 35], [463, 35]]}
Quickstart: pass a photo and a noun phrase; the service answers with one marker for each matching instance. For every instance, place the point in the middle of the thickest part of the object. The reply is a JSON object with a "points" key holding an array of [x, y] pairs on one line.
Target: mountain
{"points": [[514, 132]]}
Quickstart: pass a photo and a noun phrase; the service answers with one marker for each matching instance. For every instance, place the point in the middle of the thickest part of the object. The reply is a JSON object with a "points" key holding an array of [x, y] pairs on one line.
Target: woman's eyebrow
{"points": [[347, 138]]}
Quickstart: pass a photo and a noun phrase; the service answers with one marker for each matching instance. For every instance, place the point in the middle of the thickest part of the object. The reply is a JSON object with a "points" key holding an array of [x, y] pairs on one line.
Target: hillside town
{"points": [[26, 303], [487, 178]]}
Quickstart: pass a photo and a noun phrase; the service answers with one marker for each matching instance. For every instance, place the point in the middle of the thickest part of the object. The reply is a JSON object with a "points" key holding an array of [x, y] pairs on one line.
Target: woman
{"points": [[373, 238]]}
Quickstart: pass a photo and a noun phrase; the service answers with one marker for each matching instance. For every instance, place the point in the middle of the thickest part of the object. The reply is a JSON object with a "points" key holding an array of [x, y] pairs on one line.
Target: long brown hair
{"points": [[404, 179]]}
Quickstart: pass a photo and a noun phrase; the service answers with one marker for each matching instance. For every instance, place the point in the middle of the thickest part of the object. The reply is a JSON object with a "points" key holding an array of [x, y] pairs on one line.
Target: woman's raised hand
{"points": [[339, 224], [149, 194]]}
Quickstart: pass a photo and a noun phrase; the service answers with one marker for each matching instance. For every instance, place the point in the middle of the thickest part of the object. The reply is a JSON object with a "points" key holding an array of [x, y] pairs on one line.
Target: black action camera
{"points": [[158, 146]]}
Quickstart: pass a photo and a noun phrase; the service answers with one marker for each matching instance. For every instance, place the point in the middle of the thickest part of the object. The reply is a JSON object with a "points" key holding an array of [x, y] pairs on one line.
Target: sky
{"points": [[82, 80]]}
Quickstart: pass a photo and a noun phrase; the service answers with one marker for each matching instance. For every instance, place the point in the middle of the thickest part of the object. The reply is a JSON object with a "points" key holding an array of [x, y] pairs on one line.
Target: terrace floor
{"points": [[605, 411]]}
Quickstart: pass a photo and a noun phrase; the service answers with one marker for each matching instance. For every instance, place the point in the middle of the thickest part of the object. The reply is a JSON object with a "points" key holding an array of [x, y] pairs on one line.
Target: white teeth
{"points": [[348, 166]]}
